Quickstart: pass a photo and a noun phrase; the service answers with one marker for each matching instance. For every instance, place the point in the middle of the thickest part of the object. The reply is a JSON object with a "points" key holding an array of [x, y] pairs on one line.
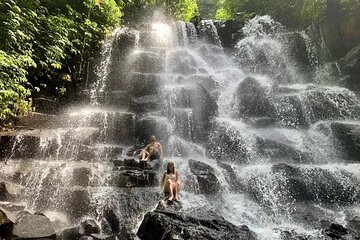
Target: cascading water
{"points": [[259, 119]]}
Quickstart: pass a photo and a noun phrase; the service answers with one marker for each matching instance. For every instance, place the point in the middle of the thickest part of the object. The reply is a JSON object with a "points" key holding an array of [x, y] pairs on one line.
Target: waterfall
{"points": [[262, 119]]}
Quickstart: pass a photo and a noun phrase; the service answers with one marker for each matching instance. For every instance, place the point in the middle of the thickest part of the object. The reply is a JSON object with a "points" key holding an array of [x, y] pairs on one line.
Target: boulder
{"points": [[350, 65], [147, 103], [251, 100], [70, 234], [88, 227], [347, 136], [231, 177], [204, 109], [81, 176], [290, 111], [296, 185], [319, 184], [167, 224], [335, 231], [226, 144], [73, 197], [134, 178], [147, 62], [206, 178], [278, 150], [32, 226], [4, 194], [6, 226]]}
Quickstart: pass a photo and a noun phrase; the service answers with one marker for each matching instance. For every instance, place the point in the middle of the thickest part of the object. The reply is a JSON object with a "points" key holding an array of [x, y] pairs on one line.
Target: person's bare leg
{"points": [[177, 187], [167, 187], [171, 188], [144, 154], [151, 152]]}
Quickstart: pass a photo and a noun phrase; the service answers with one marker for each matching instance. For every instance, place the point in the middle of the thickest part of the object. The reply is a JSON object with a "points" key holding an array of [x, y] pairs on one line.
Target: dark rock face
{"points": [[350, 64], [4, 194], [290, 111], [46, 105], [348, 137], [251, 99], [152, 125], [337, 231], [319, 185], [6, 226], [30, 226], [206, 178], [10, 146], [277, 150], [159, 225], [132, 173], [225, 144], [204, 108], [88, 227]]}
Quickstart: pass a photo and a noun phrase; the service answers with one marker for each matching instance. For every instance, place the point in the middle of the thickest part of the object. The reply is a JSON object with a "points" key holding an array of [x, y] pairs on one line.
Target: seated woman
{"points": [[170, 183]]}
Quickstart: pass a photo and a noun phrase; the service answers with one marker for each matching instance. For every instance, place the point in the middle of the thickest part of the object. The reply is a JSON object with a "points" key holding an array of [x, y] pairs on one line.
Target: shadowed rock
{"points": [[206, 178], [169, 225], [348, 138]]}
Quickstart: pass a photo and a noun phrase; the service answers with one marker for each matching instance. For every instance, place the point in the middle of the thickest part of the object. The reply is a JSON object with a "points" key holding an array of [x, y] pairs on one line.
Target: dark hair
{"points": [[168, 171]]}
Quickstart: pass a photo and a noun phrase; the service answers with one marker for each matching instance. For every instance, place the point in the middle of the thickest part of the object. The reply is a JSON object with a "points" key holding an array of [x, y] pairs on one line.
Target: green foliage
{"points": [[13, 85], [41, 40], [293, 13], [136, 9]]}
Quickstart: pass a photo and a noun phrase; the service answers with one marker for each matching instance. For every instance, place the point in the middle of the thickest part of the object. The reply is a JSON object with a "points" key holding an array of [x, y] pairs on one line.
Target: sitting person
{"points": [[170, 182], [152, 151]]}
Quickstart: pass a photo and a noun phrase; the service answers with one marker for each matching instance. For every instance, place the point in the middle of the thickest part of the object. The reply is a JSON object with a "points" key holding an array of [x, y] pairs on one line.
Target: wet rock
{"points": [[208, 32], [175, 225], [261, 122], [147, 103], [350, 64], [18, 145], [6, 225], [145, 84], [70, 234], [101, 236], [231, 177], [335, 231], [251, 100], [81, 177], [152, 125], [88, 227], [46, 105], [206, 178], [277, 149], [31, 226], [204, 109], [347, 136], [134, 178], [290, 111], [292, 235], [181, 62], [147, 62], [226, 144], [296, 185], [354, 225], [318, 184], [75, 196], [4, 194]]}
